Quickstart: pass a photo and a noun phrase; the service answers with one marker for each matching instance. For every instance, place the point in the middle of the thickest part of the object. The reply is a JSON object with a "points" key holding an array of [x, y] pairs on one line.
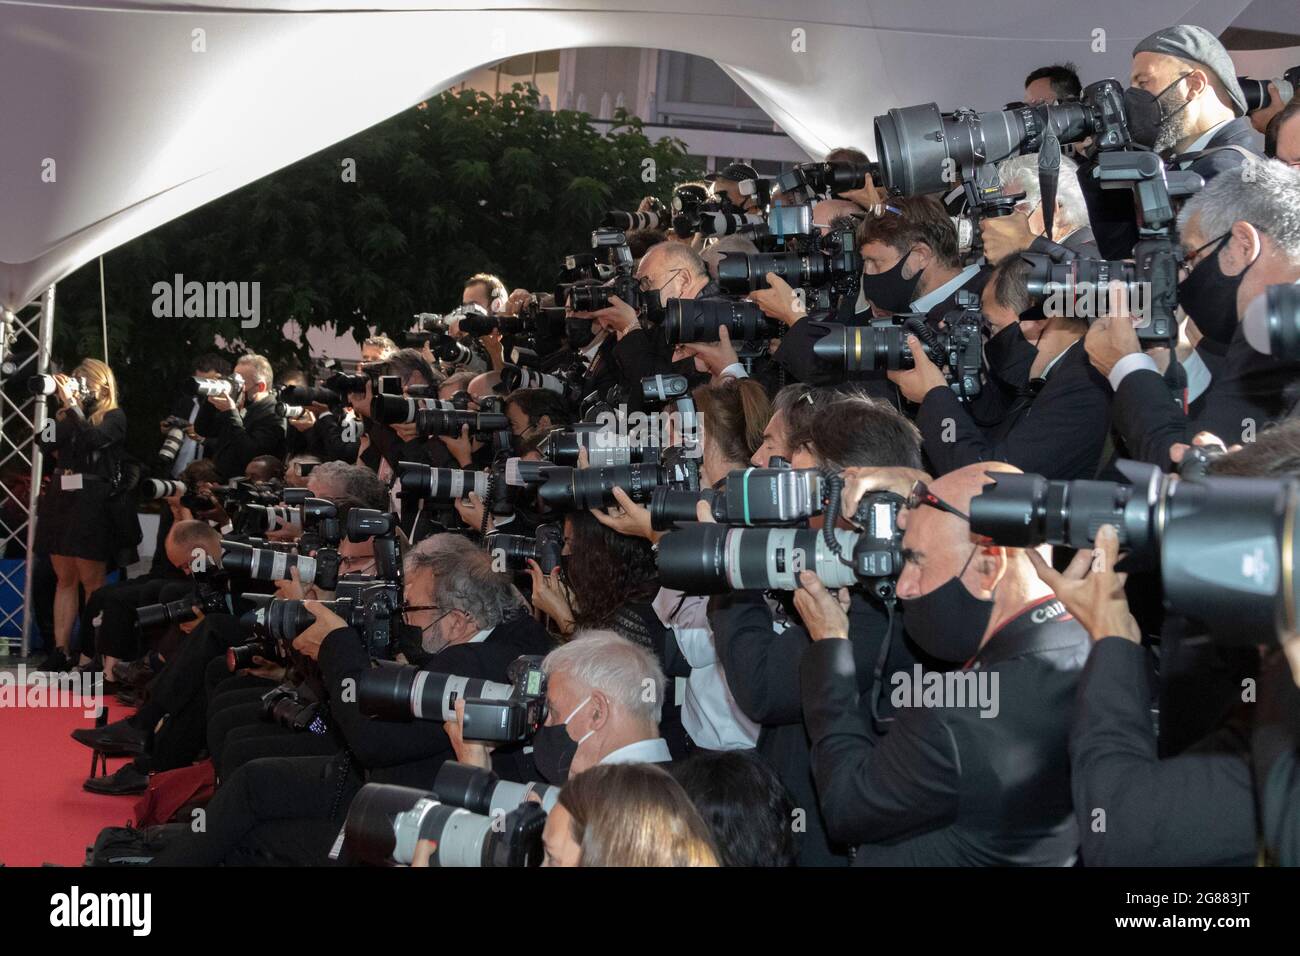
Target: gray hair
{"points": [[463, 579], [1020, 175], [678, 255], [1262, 192], [261, 367], [608, 662], [739, 245], [351, 481]]}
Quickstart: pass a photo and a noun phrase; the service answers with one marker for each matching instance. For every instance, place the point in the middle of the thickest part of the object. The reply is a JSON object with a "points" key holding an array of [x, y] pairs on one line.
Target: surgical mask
{"points": [[554, 749], [1143, 113], [1210, 298], [949, 622], [889, 290]]}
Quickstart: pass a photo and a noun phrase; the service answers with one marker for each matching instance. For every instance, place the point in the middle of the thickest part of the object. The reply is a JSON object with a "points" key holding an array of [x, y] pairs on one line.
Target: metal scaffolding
{"points": [[25, 339]]}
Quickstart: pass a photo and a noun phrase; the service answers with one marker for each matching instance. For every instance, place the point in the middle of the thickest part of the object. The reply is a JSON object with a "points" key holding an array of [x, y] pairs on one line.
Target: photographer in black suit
{"points": [[1202, 124], [1240, 235], [472, 623], [1059, 415], [241, 430], [946, 786]]}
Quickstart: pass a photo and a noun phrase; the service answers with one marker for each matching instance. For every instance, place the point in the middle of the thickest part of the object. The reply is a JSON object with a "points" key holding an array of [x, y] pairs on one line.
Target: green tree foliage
{"points": [[463, 183]]}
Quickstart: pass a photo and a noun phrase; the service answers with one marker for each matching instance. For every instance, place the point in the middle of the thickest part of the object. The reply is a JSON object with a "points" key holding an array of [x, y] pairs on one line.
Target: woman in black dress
{"points": [[73, 524]]}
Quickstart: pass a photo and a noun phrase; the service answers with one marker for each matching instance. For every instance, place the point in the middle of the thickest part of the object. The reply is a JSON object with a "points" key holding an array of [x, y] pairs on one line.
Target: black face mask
{"points": [[554, 749], [1210, 298], [1143, 112], [949, 622], [889, 290]]}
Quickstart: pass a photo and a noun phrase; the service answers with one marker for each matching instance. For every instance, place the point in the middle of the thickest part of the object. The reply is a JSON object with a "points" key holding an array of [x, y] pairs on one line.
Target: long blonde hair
{"points": [[101, 383], [635, 815]]}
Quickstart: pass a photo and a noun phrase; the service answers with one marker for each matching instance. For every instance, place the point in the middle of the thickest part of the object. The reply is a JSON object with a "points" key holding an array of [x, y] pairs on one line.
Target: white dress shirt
{"points": [[710, 713], [654, 750]]}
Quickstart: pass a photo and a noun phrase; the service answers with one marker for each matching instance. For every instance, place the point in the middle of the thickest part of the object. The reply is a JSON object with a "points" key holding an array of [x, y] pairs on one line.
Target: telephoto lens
{"points": [[698, 320], [386, 823], [432, 423], [482, 791], [604, 445], [154, 488], [307, 395], [628, 221], [211, 387], [1271, 324], [514, 377], [670, 506], [180, 611], [593, 298], [583, 488], [272, 517], [420, 481], [43, 385], [262, 565], [398, 409], [512, 551], [172, 441], [714, 558], [402, 692], [1025, 511], [882, 345], [741, 273]]}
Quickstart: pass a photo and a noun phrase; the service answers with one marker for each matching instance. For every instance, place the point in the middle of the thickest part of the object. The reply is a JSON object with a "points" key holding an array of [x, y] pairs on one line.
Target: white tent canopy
{"points": [[119, 115]]}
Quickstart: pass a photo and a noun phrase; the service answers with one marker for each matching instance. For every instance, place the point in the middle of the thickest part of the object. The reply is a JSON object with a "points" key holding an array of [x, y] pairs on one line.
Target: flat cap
{"points": [[1198, 45]]}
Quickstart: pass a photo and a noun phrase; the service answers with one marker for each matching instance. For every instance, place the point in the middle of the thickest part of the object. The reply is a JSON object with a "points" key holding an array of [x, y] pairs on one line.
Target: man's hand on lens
{"points": [[1091, 589], [1178, 450], [778, 301], [825, 615], [470, 752], [187, 627], [471, 511], [406, 431], [309, 641], [492, 345], [620, 318], [221, 403], [916, 382], [1109, 339], [518, 299], [712, 356], [860, 480], [550, 596], [868, 197], [460, 448], [304, 422], [1004, 235], [292, 588], [627, 518]]}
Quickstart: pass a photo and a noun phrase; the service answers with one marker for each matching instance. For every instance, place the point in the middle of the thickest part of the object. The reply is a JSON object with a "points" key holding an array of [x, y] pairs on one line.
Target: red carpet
{"points": [[45, 816]]}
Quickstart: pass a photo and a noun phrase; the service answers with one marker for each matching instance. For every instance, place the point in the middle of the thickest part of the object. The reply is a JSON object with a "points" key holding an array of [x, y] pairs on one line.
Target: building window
{"points": [[695, 91]]}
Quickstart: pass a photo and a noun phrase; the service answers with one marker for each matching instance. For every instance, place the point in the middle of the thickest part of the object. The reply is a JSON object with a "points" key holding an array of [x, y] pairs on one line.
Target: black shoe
{"points": [[119, 737], [135, 674], [92, 666], [56, 662], [129, 779]]}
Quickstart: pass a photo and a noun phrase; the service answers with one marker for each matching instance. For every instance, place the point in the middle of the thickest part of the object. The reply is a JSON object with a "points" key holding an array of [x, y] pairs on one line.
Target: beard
{"points": [[1175, 127]]}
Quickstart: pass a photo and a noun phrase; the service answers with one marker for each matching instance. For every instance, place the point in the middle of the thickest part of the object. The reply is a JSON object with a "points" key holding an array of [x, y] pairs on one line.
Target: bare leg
{"points": [[91, 574], [66, 599]]}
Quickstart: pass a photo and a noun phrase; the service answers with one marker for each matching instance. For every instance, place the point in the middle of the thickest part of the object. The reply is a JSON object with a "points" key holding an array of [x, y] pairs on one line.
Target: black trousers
{"points": [[280, 811], [110, 617]]}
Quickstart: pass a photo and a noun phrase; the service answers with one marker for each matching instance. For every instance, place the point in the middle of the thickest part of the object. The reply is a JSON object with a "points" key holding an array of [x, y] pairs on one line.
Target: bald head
{"points": [[673, 268], [939, 546], [193, 546]]}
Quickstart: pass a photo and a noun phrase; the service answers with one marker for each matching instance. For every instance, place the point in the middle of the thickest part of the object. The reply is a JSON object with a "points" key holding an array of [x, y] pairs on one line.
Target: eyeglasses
{"points": [[1193, 258], [641, 283], [922, 495]]}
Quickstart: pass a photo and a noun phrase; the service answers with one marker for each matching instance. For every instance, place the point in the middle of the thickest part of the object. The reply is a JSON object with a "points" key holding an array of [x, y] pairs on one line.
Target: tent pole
{"points": [[45, 335], [103, 307]]}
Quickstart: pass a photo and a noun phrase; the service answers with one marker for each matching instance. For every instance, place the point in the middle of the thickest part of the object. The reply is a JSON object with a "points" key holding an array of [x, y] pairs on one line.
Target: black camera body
{"points": [[209, 596], [510, 552]]}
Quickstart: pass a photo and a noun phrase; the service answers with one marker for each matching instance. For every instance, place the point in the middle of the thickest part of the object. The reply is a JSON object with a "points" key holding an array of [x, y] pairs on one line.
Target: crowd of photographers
{"points": [[933, 511]]}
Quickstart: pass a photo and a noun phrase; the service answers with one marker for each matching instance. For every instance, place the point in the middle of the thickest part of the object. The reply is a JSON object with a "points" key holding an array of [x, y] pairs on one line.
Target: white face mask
{"points": [[586, 700]]}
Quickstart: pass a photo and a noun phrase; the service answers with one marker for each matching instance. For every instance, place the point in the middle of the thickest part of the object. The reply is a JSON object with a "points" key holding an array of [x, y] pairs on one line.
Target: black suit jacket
{"points": [[238, 439], [1059, 433], [1134, 809], [945, 786], [411, 753], [762, 669], [1249, 390]]}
